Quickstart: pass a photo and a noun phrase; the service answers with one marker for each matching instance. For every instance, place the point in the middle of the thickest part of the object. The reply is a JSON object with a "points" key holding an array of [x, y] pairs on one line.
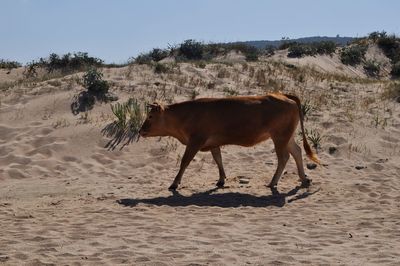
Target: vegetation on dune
{"points": [[372, 68], [67, 63], [269, 50], [94, 83], [6, 64], [392, 91], [353, 55], [119, 110], [396, 70], [192, 50], [154, 55], [390, 45], [160, 68], [96, 90], [130, 116], [309, 49]]}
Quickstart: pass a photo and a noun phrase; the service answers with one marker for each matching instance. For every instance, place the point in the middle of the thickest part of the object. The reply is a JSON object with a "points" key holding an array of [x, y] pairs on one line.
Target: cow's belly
{"points": [[247, 141]]}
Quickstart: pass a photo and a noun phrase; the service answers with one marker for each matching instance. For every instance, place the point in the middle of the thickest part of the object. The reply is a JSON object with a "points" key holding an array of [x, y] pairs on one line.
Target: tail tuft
{"points": [[307, 148], [309, 152]]}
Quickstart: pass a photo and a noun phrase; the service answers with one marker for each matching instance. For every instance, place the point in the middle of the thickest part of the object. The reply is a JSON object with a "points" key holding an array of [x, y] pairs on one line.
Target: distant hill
{"points": [[341, 41]]}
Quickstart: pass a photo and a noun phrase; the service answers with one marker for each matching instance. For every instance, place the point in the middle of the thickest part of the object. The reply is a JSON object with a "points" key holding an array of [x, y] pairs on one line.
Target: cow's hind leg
{"points": [[190, 152], [295, 151], [216, 153], [283, 156]]}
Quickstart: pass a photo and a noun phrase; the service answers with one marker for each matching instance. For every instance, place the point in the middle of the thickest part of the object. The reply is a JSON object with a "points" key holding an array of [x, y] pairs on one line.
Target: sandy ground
{"points": [[65, 199]]}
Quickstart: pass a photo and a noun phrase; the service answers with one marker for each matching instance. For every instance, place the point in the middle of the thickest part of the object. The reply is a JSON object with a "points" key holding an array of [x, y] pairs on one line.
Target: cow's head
{"points": [[154, 124]]}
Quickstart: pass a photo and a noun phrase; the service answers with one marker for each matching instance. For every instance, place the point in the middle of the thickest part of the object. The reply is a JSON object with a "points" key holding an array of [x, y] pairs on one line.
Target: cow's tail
{"points": [[306, 146]]}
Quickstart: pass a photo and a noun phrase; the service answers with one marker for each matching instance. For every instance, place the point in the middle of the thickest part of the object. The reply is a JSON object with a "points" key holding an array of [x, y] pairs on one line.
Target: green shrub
{"points": [[214, 49], [251, 53], [119, 110], [94, 83], [96, 90], [310, 49], [136, 115], [376, 35], [143, 59], [396, 70], [191, 50], [372, 68], [154, 55], [353, 55], [201, 64], [194, 50], [315, 138], [158, 54], [30, 70], [307, 108], [300, 50], [6, 64], [67, 63], [392, 91], [391, 47], [286, 44], [161, 68], [325, 47], [269, 50], [124, 130], [230, 92]]}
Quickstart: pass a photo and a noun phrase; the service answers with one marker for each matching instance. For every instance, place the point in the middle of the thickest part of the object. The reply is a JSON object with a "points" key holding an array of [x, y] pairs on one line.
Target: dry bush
{"points": [[230, 92], [260, 77], [274, 85], [222, 71], [392, 91]]}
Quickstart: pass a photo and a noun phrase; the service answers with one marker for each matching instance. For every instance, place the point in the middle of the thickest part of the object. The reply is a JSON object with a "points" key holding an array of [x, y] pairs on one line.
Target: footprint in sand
{"points": [[6, 132], [15, 174], [12, 159], [69, 158], [337, 140], [390, 139], [376, 166], [36, 123], [101, 159], [45, 151], [46, 131]]}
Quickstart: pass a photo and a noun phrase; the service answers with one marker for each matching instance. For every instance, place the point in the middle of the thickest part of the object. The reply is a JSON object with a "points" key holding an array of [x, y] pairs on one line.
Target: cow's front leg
{"points": [[191, 149], [216, 153]]}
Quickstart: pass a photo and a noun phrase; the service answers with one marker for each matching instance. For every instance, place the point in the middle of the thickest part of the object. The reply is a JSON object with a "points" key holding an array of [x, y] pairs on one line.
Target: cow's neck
{"points": [[174, 123]]}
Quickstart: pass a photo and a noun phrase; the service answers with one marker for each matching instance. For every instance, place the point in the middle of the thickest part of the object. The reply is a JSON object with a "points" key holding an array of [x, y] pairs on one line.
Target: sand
{"points": [[65, 199]]}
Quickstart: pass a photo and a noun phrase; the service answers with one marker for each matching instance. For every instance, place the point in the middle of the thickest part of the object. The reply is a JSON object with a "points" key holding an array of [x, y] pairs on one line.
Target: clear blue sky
{"points": [[115, 30]]}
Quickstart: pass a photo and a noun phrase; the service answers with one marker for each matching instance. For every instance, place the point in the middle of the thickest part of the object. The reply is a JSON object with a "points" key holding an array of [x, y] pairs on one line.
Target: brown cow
{"points": [[207, 124]]}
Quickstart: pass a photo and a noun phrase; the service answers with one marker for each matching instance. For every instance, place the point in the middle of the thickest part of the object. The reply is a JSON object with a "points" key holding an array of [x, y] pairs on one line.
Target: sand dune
{"points": [[66, 199]]}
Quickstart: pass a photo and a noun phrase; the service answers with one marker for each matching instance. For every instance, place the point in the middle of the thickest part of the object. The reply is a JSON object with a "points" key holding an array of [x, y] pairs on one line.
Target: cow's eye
{"points": [[150, 116]]}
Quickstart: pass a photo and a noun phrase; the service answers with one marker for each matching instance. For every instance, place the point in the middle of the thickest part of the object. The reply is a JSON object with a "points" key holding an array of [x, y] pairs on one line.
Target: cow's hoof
{"points": [[271, 185], [221, 184], [306, 182], [173, 187]]}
